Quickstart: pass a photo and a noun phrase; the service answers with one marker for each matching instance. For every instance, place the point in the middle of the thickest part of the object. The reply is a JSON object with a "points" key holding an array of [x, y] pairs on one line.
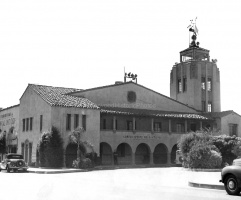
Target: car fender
{"points": [[232, 170]]}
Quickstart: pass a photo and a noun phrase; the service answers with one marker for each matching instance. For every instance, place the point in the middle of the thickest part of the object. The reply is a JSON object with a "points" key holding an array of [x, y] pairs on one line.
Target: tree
{"points": [[51, 151], [76, 137], [3, 146], [55, 150]]}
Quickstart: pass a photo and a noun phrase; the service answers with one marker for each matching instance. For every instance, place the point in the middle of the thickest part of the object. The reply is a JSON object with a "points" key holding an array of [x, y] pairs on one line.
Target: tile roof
{"points": [[220, 114], [153, 113], [57, 96]]}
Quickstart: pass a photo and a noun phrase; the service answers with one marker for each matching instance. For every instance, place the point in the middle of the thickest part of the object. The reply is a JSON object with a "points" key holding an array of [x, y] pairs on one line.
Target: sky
{"points": [[88, 43]]}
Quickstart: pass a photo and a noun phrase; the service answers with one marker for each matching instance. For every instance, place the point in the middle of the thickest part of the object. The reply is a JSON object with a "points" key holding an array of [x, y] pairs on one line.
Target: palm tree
{"points": [[76, 137]]}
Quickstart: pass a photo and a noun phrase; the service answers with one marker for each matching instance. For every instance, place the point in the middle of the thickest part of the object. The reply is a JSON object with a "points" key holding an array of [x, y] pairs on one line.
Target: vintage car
{"points": [[13, 162], [231, 177]]}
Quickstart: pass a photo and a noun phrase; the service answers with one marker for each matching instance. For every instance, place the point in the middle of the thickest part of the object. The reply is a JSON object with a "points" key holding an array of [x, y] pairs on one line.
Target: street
{"points": [[146, 183]]}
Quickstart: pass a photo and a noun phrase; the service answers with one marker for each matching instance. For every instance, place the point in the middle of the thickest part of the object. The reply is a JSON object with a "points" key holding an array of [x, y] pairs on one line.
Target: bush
{"points": [[204, 155], [93, 157], [83, 163], [227, 146], [189, 140], [51, 152]]}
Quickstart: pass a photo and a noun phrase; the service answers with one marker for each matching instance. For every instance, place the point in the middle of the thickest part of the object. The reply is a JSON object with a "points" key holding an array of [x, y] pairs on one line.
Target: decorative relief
{"points": [[131, 96]]}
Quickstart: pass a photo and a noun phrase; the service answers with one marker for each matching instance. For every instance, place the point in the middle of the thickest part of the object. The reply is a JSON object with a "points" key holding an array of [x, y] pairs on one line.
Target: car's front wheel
{"points": [[231, 185]]}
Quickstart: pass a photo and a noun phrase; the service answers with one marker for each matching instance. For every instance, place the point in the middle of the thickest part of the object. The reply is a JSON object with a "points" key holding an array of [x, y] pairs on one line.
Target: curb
{"points": [[208, 186], [56, 172]]}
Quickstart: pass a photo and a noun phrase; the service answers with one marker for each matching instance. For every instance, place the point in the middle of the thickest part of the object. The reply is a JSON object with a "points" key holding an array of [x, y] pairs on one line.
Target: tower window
{"points": [[203, 83], [184, 84], [179, 84], [209, 84], [209, 107]]}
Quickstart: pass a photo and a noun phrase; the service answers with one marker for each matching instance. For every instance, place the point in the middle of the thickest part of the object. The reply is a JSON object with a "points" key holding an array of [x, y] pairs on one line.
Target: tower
{"points": [[195, 81]]}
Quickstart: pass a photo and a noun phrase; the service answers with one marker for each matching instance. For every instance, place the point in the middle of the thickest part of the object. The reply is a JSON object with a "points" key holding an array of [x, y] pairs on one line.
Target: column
{"points": [[201, 125], [185, 126], [133, 159], [152, 125], [168, 158], [114, 124], [134, 124], [170, 126], [151, 158]]}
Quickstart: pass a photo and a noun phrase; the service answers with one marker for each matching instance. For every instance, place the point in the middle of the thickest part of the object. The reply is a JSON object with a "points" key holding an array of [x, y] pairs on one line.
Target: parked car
{"points": [[231, 177], [13, 162]]}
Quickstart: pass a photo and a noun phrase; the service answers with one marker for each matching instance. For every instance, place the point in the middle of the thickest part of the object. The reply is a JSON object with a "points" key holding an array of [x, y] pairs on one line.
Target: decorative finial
{"points": [[193, 28]]}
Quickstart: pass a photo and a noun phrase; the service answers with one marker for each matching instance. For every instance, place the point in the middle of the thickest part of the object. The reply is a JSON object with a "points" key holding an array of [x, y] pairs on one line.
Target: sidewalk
{"points": [[196, 178]]}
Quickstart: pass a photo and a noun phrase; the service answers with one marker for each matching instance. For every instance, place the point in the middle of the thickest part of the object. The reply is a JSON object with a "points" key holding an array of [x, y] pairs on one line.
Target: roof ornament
{"points": [[193, 28], [130, 76]]}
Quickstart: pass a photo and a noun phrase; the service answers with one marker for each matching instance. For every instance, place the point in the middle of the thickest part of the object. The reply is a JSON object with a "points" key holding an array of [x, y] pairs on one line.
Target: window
{"points": [[157, 126], [184, 84], [31, 124], [209, 84], [129, 125], [76, 121], [84, 122], [180, 127], [104, 123], [203, 83], [204, 106], [193, 127], [27, 124], [209, 107], [23, 125], [68, 122], [179, 84], [41, 123], [233, 129]]}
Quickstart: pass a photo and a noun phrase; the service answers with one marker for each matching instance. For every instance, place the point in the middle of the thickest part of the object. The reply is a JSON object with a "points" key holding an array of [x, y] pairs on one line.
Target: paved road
{"points": [[141, 184]]}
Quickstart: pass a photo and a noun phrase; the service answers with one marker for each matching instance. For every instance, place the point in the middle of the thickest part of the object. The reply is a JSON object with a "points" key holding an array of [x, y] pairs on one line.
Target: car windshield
{"points": [[14, 157]]}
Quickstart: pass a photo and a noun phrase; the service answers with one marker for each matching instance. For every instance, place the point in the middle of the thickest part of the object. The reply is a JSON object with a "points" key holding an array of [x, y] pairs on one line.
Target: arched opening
{"points": [[142, 155], [70, 154], [123, 154], [105, 154], [173, 154], [160, 154]]}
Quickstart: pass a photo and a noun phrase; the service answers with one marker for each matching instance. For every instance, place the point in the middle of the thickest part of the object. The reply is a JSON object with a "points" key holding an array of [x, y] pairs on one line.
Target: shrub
{"points": [[203, 155], [55, 151], [227, 146], [83, 163], [51, 149], [189, 140], [93, 157]]}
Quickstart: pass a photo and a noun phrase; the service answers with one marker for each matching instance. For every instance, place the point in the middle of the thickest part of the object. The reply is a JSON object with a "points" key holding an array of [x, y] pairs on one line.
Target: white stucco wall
{"points": [[145, 98]]}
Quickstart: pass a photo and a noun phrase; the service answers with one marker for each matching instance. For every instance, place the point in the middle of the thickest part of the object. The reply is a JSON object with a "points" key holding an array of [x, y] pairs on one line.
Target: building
{"points": [[195, 81], [127, 123]]}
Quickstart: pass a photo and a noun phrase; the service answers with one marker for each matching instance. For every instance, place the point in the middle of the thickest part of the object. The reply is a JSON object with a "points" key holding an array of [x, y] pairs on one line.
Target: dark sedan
{"points": [[13, 162], [231, 177]]}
